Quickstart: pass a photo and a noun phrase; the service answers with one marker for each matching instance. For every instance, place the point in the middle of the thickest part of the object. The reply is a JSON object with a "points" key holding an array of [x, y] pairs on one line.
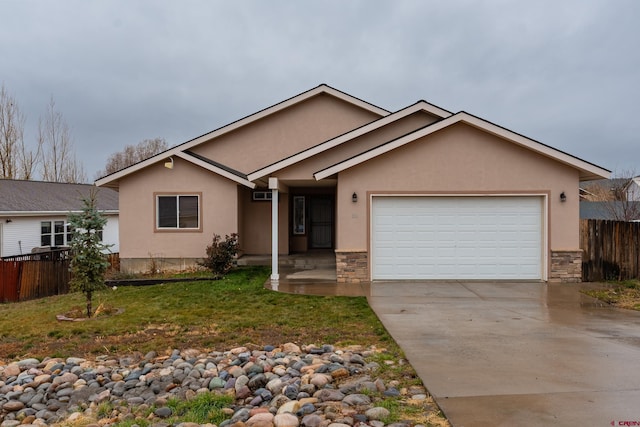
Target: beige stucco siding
{"points": [[138, 235], [459, 159], [306, 168], [255, 224], [285, 133]]}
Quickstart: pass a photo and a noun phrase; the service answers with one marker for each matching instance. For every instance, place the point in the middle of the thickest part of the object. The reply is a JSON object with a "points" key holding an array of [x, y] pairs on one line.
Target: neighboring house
{"points": [[33, 214], [633, 189], [612, 210], [420, 193], [616, 199], [602, 190]]}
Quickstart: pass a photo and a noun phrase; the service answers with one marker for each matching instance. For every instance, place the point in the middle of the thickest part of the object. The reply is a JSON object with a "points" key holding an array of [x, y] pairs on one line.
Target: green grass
{"points": [[207, 315], [234, 311], [204, 408], [625, 294]]}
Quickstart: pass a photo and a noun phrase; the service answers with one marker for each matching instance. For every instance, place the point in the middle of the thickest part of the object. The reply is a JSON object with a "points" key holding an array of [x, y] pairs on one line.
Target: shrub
{"points": [[220, 254]]}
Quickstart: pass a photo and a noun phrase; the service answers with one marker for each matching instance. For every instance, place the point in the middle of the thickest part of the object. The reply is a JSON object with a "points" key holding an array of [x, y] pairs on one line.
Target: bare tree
{"points": [[132, 154], [28, 161], [59, 163], [11, 131], [16, 161], [612, 194]]}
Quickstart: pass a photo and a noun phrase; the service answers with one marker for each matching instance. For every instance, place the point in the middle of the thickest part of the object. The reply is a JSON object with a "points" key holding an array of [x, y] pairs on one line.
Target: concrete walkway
{"points": [[516, 354]]}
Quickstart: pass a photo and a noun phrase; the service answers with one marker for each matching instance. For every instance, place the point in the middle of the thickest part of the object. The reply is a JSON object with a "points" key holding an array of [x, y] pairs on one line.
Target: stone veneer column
{"points": [[566, 266], [352, 266]]}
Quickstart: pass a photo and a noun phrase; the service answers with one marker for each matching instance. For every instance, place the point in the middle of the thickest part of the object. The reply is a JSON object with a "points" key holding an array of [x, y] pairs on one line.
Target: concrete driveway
{"points": [[516, 354]]}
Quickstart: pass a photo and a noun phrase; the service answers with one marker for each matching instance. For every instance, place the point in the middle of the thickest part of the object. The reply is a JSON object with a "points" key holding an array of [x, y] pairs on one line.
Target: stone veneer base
{"points": [[566, 266], [352, 266]]}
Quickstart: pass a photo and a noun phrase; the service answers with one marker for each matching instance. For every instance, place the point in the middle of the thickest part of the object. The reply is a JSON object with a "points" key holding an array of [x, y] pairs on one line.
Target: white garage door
{"points": [[457, 237]]}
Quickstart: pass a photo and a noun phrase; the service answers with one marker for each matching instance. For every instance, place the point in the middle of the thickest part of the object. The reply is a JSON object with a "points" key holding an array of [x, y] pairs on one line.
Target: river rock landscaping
{"points": [[287, 386]]}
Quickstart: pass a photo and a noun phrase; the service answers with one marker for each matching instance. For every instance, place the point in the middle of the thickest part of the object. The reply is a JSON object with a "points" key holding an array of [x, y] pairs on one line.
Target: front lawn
{"points": [[208, 315], [234, 311]]}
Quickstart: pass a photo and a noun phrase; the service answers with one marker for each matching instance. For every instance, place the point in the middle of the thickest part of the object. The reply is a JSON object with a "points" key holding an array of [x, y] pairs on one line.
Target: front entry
{"points": [[320, 222]]}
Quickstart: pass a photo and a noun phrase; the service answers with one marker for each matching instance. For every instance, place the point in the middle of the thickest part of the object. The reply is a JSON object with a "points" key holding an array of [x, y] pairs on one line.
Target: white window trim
{"points": [[52, 236], [261, 196]]}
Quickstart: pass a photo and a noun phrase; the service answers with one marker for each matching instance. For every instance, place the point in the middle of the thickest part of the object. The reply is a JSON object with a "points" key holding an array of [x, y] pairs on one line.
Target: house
{"points": [[616, 199], [633, 189], [602, 190], [419, 193], [33, 214]]}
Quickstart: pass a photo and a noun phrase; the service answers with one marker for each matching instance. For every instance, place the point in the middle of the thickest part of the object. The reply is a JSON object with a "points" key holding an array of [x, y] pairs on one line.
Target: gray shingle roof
{"points": [[39, 196], [611, 210]]}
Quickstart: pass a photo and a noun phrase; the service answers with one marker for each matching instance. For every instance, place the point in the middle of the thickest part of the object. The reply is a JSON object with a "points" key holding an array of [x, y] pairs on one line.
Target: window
{"points": [[178, 212], [45, 233], [56, 233], [298, 215], [259, 196]]}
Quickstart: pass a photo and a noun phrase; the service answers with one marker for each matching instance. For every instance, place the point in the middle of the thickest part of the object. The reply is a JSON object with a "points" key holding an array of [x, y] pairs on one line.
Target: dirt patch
{"points": [[79, 314]]}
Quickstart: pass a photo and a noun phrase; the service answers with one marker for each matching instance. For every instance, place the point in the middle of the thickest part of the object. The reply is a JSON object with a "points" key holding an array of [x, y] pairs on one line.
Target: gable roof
{"points": [[334, 142], [635, 181], [111, 180], [588, 171], [19, 197]]}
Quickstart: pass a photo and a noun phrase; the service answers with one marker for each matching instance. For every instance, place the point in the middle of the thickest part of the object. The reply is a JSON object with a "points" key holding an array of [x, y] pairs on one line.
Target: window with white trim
{"points": [[56, 233], [177, 212], [260, 196]]}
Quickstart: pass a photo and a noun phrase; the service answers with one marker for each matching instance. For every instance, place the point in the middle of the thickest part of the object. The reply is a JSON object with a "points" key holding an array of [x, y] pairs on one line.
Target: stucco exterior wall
{"points": [[139, 238], [306, 168], [460, 159], [255, 225], [284, 133]]}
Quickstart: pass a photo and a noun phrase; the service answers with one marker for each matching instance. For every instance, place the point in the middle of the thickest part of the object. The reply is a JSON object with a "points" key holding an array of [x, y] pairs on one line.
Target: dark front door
{"points": [[321, 222]]}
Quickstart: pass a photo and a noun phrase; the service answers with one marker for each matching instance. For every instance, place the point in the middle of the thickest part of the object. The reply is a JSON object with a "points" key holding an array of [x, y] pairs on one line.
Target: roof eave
{"points": [[341, 139], [216, 170], [110, 181], [587, 170], [54, 213]]}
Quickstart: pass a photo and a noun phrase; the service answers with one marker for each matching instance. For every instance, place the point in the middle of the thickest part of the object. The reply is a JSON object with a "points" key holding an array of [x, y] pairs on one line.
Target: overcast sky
{"points": [[565, 73]]}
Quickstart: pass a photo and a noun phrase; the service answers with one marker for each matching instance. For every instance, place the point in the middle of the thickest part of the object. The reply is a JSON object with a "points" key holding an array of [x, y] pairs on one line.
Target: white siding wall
{"points": [[23, 233], [633, 191], [110, 233]]}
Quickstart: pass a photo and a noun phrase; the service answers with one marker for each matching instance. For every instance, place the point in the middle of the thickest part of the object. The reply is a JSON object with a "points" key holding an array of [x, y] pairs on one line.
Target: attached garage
{"points": [[458, 237]]}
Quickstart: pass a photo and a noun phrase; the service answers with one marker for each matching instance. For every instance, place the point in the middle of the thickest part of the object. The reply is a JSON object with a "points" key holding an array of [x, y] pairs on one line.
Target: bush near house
{"points": [[220, 254]]}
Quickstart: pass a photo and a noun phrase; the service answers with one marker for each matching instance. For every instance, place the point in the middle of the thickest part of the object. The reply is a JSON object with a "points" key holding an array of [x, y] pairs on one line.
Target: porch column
{"points": [[273, 185]]}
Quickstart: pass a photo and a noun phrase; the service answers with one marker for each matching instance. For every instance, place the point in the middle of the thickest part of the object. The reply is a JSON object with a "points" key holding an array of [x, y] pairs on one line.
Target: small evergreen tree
{"points": [[88, 260]]}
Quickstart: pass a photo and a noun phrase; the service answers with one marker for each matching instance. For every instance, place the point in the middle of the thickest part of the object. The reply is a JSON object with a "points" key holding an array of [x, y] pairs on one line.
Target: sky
{"points": [[565, 73]]}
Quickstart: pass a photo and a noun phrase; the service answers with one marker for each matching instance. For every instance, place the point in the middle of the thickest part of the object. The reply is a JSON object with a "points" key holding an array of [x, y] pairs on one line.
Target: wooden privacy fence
{"points": [[31, 276], [611, 250]]}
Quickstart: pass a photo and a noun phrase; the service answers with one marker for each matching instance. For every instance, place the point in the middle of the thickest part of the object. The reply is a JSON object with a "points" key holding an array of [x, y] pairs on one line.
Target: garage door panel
{"points": [[457, 237]]}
